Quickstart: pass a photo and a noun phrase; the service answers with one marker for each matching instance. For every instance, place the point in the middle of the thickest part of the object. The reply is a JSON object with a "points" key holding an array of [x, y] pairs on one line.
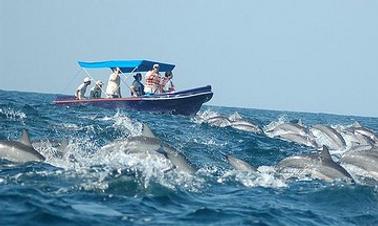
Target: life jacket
{"points": [[152, 79]]}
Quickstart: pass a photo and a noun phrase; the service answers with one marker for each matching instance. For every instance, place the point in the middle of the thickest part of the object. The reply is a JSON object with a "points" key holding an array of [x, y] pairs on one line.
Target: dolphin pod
{"points": [[20, 151], [319, 166], [318, 135], [362, 151], [314, 136], [146, 144]]}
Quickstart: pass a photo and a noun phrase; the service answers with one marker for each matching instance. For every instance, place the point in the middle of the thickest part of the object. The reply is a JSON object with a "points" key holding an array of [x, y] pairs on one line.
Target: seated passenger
{"points": [[153, 80], [137, 88], [113, 89], [80, 91], [167, 84], [96, 90]]}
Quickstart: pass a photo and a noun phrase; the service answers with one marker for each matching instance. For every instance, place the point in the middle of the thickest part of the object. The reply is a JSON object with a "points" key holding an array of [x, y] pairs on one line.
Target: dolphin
{"points": [[299, 139], [245, 125], [177, 159], [20, 151], [336, 141], [219, 120], [364, 159], [240, 164], [148, 144], [288, 127], [320, 166]]}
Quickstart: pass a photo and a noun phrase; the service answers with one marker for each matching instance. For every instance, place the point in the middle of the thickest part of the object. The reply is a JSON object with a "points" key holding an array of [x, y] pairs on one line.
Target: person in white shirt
{"points": [[167, 84], [80, 91], [113, 89]]}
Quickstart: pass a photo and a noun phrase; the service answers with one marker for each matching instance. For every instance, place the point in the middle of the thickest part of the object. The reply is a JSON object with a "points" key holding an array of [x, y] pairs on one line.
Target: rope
{"points": [[70, 82]]}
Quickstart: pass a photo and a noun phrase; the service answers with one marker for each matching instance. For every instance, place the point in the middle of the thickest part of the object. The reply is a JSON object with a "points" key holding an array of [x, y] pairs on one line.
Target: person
{"points": [[113, 89], [137, 88], [80, 91], [167, 84], [153, 81], [96, 90]]}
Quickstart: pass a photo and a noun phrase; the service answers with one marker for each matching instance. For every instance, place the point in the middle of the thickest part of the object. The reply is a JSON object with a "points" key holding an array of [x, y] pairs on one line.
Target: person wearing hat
{"points": [[80, 91], [137, 88], [96, 90], [153, 81], [113, 89]]}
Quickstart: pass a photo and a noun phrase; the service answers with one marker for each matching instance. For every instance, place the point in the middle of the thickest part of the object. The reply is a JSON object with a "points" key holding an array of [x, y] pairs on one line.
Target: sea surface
{"points": [[85, 186]]}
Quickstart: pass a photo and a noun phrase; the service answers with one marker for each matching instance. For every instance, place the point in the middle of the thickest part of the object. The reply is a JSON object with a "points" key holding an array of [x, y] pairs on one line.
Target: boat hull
{"points": [[187, 102]]}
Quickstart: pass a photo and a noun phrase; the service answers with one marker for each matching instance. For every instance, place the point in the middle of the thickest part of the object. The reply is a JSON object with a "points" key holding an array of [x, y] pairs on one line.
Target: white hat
{"points": [[87, 79], [99, 83], [155, 66]]}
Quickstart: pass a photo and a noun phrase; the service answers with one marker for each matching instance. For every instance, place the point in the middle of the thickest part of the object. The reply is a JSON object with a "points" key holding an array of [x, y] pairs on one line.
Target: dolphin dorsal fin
{"points": [[146, 131], [325, 155], [25, 139]]}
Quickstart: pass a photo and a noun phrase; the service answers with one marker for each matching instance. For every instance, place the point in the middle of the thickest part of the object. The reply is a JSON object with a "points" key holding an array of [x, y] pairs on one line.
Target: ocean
{"points": [[85, 186]]}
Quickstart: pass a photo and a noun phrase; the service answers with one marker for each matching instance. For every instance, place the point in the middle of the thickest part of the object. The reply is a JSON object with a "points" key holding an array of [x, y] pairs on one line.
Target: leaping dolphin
{"points": [[287, 127], [320, 166], [219, 121], [148, 144], [299, 139], [20, 151], [245, 125], [336, 141]]}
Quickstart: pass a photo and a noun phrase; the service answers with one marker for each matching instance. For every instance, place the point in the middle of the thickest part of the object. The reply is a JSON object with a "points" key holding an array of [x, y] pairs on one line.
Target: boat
{"points": [[185, 102]]}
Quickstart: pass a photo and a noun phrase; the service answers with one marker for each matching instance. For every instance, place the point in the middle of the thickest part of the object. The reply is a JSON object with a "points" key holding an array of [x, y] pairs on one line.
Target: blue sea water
{"points": [[89, 187]]}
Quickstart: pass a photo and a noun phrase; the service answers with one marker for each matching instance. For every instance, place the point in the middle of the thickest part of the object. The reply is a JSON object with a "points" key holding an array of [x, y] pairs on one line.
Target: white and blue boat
{"points": [[184, 102]]}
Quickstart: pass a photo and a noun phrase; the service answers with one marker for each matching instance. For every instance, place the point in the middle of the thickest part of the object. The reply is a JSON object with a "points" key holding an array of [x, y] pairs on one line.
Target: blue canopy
{"points": [[128, 66]]}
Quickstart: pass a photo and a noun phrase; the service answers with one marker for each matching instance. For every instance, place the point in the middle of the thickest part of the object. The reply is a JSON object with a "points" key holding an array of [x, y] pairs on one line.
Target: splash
{"points": [[266, 177], [12, 114]]}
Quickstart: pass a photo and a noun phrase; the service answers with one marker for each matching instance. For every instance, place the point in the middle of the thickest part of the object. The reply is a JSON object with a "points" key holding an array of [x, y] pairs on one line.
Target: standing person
{"points": [[137, 88], [96, 90], [113, 89], [80, 91], [167, 84], [153, 81]]}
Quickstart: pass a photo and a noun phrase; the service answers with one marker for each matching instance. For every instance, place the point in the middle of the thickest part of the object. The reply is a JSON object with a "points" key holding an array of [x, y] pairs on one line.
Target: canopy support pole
{"points": [[86, 72], [127, 77]]}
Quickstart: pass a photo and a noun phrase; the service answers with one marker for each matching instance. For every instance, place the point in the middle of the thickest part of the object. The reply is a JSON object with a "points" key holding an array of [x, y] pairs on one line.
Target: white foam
{"points": [[12, 114], [266, 177]]}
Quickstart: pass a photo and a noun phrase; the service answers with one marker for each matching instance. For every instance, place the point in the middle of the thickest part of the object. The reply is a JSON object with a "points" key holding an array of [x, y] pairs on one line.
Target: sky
{"points": [[294, 55]]}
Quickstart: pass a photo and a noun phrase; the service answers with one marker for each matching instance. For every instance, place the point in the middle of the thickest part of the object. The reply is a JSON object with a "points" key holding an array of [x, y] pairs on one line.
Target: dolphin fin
{"points": [[146, 131], [325, 155], [25, 139]]}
